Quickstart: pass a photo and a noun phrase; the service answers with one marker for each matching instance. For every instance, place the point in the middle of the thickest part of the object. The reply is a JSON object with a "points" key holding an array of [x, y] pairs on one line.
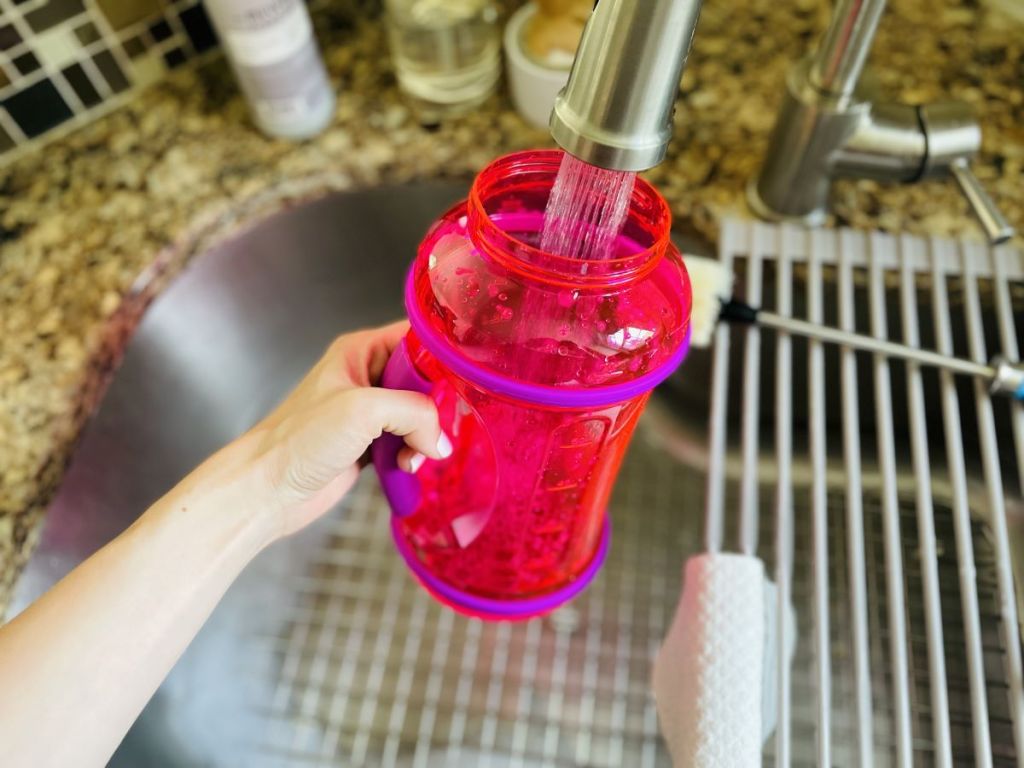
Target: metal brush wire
{"points": [[1001, 375]]}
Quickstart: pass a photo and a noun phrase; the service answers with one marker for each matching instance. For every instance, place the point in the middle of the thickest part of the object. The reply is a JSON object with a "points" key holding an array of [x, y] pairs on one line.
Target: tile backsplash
{"points": [[62, 62]]}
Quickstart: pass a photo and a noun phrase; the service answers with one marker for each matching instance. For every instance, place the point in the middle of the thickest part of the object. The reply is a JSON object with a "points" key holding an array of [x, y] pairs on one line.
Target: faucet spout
{"points": [[616, 110], [826, 129], [839, 61]]}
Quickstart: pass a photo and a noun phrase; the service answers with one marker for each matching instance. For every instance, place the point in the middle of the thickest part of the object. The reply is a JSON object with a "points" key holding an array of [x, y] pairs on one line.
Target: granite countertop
{"points": [[95, 223]]}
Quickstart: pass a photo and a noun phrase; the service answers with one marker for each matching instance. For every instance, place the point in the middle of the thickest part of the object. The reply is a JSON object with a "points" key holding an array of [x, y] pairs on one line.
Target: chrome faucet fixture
{"points": [[826, 129], [616, 110]]}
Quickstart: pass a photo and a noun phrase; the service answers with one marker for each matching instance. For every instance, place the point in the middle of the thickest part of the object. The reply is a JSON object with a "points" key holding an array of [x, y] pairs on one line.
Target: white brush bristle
{"points": [[712, 284]]}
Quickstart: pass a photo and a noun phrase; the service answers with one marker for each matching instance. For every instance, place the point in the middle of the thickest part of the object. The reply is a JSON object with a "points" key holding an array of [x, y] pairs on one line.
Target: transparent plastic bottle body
{"points": [[540, 366]]}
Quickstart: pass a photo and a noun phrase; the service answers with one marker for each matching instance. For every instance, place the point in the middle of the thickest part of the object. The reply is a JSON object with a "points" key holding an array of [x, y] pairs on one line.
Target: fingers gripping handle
{"points": [[401, 488]]}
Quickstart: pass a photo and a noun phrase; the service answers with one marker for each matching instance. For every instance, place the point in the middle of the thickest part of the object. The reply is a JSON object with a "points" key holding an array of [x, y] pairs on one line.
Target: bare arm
{"points": [[78, 666]]}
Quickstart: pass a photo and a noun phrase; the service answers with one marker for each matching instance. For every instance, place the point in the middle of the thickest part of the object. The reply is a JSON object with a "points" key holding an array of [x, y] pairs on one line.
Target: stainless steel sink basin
{"points": [[326, 652]]}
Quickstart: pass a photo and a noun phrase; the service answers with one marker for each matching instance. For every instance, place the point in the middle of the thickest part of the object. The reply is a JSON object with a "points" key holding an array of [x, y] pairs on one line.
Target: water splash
{"points": [[586, 210]]}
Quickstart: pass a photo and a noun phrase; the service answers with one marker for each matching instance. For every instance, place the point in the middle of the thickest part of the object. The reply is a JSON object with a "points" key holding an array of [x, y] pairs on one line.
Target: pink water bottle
{"points": [[540, 366]]}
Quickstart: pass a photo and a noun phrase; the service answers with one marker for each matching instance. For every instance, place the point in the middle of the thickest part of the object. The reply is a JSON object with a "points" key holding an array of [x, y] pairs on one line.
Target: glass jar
{"points": [[445, 52]]}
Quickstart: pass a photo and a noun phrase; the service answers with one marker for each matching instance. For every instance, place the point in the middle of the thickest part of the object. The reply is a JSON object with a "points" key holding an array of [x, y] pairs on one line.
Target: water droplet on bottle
{"points": [[565, 298], [502, 296], [563, 348]]}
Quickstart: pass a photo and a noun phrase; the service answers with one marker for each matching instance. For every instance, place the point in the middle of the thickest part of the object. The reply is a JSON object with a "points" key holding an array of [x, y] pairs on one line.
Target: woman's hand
{"points": [[83, 660], [302, 458]]}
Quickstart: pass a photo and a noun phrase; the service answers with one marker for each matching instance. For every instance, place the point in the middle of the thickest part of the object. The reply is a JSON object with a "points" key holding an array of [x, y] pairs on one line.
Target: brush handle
{"points": [[1004, 376]]}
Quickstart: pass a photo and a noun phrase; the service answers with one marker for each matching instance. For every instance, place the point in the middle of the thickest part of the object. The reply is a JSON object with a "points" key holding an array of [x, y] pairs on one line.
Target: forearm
{"points": [[79, 665], [82, 662]]}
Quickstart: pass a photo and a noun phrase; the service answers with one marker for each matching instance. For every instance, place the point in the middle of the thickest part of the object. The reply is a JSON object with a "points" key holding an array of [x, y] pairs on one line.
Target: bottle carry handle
{"points": [[401, 488]]}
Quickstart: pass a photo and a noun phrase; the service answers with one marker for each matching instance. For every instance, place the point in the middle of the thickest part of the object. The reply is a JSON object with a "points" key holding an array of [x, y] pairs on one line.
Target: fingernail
{"points": [[444, 446], [415, 462]]}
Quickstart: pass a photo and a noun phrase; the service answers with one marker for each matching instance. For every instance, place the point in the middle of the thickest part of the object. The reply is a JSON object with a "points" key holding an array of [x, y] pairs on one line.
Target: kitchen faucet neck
{"points": [[616, 110], [837, 65]]}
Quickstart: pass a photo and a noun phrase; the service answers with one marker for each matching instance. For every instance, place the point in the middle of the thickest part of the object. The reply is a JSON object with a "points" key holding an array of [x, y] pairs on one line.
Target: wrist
{"points": [[226, 500]]}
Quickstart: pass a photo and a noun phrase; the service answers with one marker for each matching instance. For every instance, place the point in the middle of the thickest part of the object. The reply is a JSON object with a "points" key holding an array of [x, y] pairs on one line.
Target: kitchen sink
{"points": [[326, 651]]}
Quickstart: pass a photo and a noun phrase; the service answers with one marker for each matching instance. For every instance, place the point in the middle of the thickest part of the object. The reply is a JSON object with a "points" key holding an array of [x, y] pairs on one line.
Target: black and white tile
{"points": [[63, 62]]}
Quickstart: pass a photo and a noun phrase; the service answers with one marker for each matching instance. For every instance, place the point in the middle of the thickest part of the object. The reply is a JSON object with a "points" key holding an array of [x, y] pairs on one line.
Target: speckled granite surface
{"points": [[92, 226]]}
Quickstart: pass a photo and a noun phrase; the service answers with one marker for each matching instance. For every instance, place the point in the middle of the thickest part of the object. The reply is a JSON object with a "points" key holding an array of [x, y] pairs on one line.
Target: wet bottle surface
{"points": [[540, 366]]}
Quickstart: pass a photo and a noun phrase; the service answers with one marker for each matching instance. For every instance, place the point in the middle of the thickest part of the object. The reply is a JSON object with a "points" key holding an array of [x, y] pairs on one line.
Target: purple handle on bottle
{"points": [[401, 488]]}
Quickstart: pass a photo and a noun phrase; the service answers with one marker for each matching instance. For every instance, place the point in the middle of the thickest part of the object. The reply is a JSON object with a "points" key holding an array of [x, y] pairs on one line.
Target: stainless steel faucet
{"points": [[826, 129], [616, 110]]}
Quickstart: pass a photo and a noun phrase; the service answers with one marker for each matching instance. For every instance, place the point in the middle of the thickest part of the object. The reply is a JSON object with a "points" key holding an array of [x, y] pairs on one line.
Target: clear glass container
{"points": [[446, 53]]}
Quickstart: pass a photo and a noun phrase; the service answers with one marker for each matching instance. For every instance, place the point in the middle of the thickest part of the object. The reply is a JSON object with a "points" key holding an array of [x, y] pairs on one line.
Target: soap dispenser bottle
{"points": [[274, 54]]}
